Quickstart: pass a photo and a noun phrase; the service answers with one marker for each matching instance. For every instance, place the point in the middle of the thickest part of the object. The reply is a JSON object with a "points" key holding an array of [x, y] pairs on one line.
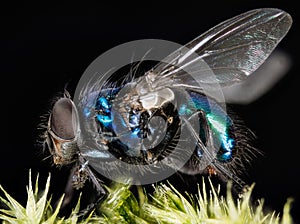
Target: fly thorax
{"points": [[141, 125], [156, 99]]}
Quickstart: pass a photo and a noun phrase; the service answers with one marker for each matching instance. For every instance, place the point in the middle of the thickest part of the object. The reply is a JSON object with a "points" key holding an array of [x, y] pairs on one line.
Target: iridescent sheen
{"points": [[219, 122]]}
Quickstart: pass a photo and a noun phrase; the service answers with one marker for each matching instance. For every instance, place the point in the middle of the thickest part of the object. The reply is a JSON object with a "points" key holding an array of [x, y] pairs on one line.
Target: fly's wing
{"points": [[263, 79], [221, 57], [225, 54]]}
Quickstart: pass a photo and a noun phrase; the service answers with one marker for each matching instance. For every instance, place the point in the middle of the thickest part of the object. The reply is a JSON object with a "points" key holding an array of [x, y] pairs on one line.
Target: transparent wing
{"points": [[263, 79], [231, 51]]}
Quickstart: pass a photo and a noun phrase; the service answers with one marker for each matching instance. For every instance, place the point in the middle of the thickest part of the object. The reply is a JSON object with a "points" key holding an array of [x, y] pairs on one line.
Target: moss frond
{"points": [[166, 205]]}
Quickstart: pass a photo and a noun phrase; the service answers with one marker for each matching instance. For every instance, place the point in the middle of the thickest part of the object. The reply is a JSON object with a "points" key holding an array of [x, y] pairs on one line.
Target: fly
{"points": [[167, 118]]}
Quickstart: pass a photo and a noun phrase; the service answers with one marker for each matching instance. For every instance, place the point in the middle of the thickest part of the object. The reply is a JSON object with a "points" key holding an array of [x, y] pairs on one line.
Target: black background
{"points": [[45, 45]]}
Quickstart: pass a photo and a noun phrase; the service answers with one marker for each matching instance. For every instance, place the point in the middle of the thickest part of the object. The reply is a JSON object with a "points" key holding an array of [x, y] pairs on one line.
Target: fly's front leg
{"points": [[86, 171], [76, 180], [68, 192], [79, 178], [80, 175]]}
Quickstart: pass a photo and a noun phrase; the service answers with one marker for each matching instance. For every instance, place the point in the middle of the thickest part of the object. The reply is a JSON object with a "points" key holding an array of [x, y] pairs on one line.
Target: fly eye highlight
{"points": [[63, 123]]}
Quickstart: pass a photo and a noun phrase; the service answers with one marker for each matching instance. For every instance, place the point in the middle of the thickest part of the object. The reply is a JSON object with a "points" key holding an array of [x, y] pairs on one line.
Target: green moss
{"points": [[165, 205]]}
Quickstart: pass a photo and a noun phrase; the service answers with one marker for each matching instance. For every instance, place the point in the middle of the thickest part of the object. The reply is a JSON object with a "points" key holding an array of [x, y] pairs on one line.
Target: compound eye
{"points": [[63, 122]]}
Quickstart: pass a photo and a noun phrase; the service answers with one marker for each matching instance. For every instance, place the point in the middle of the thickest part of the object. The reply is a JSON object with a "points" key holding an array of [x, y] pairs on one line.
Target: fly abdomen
{"points": [[216, 128]]}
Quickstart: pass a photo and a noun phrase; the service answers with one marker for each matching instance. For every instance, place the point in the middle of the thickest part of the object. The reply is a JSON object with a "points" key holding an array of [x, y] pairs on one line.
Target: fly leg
{"points": [[206, 148], [239, 187], [68, 192], [204, 153], [80, 176], [76, 180]]}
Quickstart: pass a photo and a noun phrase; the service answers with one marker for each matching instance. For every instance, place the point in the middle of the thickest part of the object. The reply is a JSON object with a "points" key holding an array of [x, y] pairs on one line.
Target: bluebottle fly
{"points": [[167, 117]]}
